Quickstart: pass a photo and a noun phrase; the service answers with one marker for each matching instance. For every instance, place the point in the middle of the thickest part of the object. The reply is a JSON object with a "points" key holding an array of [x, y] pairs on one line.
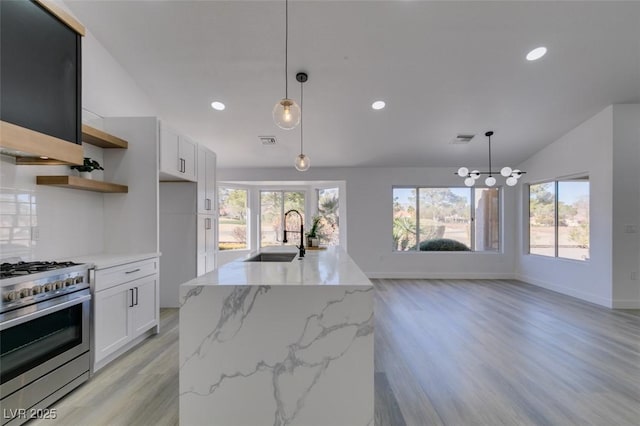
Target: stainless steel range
{"points": [[44, 336]]}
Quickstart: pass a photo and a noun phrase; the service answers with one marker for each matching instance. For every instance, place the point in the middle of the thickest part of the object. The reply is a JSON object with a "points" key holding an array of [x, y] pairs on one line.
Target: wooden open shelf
{"points": [[97, 137], [75, 182], [35, 161]]}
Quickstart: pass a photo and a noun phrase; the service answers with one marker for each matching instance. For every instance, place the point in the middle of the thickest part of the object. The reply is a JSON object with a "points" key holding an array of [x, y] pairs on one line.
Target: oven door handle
{"points": [[44, 311]]}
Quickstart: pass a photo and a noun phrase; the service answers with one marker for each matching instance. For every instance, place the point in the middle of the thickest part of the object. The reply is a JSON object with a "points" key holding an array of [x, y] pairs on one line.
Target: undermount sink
{"points": [[272, 257]]}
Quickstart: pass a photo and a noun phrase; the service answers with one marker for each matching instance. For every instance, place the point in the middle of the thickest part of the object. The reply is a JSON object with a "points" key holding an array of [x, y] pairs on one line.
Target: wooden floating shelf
{"points": [[75, 182], [97, 137], [36, 161]]}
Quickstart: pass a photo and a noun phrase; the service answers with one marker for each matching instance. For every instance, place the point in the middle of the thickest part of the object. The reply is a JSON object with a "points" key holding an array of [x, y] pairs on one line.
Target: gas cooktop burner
{"points": [[8, 270]]}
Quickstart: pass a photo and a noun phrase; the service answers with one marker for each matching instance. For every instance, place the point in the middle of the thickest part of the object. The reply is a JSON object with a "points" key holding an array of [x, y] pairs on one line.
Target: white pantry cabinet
{"points": [[178, 155], [206, 181], [125, 308], [206, 242]]}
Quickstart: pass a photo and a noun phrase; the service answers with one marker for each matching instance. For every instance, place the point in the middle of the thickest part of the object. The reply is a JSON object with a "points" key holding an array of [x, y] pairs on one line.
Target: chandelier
{"points": [[470, 177]]}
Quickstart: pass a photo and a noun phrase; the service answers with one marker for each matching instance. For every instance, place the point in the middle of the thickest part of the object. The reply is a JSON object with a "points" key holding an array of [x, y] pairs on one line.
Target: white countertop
{"points": [[329, 267], [108, 260]]}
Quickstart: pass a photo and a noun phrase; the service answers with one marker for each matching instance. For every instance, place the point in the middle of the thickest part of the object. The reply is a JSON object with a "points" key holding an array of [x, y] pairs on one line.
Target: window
{"points": [[328, 203], [273, 206], [232, 224], [446, 219], [559, 219]]}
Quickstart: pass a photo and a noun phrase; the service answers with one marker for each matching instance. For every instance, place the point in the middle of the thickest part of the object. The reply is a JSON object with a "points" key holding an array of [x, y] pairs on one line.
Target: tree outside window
{"points": [[232, 223]]}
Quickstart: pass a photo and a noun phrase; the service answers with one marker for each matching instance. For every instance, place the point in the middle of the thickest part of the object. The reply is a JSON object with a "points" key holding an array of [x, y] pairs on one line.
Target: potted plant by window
{"points": [[312, 235], [87, 167]]}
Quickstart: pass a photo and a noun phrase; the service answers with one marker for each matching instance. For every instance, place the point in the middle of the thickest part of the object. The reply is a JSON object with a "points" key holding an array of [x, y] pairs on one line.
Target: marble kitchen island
{"points": [[278, 343]]}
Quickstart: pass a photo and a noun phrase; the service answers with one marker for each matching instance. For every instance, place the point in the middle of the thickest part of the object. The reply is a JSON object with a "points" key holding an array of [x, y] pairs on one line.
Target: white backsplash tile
{"points": [[42, 222]]}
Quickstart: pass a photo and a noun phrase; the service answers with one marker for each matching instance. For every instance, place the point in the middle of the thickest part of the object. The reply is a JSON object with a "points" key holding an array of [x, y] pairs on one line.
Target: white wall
{"points": [[67, 222], [586, 149], [369, 218], [626, 206]]}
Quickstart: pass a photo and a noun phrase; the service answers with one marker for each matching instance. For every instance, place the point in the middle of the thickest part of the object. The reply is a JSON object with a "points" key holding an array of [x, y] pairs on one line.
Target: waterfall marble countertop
{"points": [[327, 267], [278, 343]]}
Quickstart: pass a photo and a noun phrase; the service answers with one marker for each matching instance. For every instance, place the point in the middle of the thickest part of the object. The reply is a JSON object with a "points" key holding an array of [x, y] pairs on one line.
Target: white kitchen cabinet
{"points": [[111, 322], [125, 308], [206, 181], [206, 243], [144, 313], [178, 155]]}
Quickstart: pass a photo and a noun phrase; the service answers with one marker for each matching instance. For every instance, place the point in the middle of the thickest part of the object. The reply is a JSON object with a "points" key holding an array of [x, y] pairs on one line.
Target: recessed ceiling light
{"points": [[218, 106], [378, 105], [536, 53]]}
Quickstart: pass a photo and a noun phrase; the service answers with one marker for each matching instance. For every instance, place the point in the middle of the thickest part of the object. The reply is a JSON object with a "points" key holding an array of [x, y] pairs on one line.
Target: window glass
{"points": [[232, 223], [404, 219], [573, 219], [542, 219], [442, 219], [328, 210], [487, 219], [445, 213], [273, 206]]}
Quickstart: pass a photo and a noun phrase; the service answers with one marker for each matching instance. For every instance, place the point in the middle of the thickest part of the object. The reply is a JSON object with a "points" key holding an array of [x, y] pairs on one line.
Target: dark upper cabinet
{"points": [[40, 71]]}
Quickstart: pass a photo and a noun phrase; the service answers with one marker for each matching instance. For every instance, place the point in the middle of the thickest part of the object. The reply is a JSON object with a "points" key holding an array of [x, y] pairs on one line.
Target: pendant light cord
{"points": [[286, 48], [490, 170], [301, 115]]}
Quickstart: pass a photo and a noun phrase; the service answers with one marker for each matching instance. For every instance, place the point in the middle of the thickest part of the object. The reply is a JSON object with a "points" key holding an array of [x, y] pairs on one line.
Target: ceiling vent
{"points": [[267, 140], [461, 139]]}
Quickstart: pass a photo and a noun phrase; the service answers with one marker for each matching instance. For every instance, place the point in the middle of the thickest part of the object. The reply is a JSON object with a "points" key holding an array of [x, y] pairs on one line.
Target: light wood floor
{"points": [[447, 352]]}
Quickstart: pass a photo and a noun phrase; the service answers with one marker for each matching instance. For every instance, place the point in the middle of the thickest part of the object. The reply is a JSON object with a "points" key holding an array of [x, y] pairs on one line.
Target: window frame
{"points": [[556, 217], [472, 217]]}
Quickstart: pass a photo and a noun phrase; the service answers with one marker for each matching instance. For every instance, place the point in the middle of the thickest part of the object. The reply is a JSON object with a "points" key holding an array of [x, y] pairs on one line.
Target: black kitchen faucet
{"points": [[301, 232]]}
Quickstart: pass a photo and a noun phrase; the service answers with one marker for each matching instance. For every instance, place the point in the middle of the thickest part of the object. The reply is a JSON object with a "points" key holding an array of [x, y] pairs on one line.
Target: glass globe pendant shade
{"points": [[463, 172], [517, 173], [302, 163], [511, 181], [475, 174], [506, 171], [490, 181], [469, 181], [286, 114]]}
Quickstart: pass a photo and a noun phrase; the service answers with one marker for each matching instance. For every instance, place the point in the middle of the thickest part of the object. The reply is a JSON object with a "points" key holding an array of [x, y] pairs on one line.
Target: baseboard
{"points": [[566, 290], [626, 304], [441, 276]]}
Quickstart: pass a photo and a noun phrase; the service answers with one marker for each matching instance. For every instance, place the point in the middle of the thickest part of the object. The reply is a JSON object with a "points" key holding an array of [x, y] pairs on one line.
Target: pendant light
{"points": [[302, 161], [286, 113], [470, 178]]}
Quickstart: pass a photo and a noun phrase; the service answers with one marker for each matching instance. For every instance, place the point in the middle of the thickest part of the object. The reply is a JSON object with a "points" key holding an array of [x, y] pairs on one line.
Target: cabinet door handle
{"points": [[136, 288], [207, 223], [183, 165], [131, 272], [207, 204], [131, 305]]}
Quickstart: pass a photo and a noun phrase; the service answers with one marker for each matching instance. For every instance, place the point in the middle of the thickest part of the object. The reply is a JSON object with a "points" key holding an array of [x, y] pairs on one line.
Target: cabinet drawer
{"points": [[110, 277]]}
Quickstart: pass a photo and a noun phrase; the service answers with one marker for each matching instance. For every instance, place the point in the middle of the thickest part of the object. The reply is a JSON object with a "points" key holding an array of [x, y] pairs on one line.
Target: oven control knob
{"points": [[10, 296], [68, 282], [47, 287], [57, 285], [25, 292], [37, 289], [79, 279]]}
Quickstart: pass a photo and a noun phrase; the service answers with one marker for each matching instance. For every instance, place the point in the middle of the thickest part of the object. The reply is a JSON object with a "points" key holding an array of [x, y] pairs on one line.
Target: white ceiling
{"points": [[441, 67]]}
